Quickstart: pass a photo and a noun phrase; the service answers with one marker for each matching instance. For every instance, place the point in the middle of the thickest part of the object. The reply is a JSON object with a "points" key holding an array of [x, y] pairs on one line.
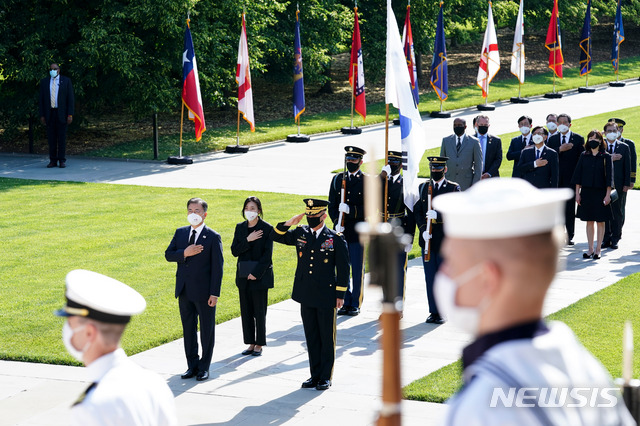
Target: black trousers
{"points": [[189, 314], [253, 313], [613, 227], [570, 215], [320, 332], [57, 137]]}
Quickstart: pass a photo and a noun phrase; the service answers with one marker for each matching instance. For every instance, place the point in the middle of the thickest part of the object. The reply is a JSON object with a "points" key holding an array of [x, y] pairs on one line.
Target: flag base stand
{"points": [[617, 84], [298, 137], [586, 90], [519, 100], [180, 160], [553, 95], [439, 114], [236, 149], [351, 130], [396, 121], [486, 107]]}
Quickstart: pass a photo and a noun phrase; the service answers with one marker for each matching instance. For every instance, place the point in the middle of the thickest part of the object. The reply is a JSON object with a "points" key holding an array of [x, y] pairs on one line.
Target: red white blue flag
{"points": [[191, 97]]}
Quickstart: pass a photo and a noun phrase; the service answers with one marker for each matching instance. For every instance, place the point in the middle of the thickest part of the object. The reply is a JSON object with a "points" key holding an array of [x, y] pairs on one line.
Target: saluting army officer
{"points": [[321, 279], [98, 309], [434, 236], [352, 210], [397, 210]]}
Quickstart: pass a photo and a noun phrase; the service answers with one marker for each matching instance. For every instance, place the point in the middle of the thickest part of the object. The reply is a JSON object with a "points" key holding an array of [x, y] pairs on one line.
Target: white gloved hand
{"points": [[344, 208], [387, 170], [339, 229], [426, 236], [432, 214], [408, 248]]}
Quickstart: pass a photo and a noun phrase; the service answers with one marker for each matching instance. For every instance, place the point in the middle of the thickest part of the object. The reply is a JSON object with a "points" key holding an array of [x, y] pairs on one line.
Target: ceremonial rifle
{"points": [[427, 244], [343, 195]]}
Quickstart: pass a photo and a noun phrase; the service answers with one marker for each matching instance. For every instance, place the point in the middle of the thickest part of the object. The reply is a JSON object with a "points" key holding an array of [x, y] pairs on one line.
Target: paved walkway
{"points": [[266, 390]]}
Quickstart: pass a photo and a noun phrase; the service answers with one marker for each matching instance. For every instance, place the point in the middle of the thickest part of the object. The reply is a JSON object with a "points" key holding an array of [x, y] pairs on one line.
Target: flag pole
{"points": [[386, 161], [181, 121], [353, 81], [238, 131]]}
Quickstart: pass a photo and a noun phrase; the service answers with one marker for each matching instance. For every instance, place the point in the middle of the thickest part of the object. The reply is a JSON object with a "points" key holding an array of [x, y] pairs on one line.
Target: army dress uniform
{"points": [[354, 198], [321, 277], [397, 211], [432, 265]]}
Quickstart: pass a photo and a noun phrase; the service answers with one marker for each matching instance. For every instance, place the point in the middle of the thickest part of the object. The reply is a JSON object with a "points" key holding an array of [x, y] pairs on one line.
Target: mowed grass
{"points": [[597, 321], [217, 138], [51, 228]]}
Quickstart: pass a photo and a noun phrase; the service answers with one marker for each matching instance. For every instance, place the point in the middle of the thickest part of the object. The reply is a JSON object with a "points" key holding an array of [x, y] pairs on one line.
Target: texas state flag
{"points": [[191, 97]]}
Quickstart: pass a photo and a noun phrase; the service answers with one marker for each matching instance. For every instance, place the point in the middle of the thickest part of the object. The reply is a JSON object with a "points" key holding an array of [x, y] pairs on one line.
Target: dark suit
{"points": [[437, 234], [567, 161], [397, 211], [515, 148], [322, 276], [543, 176], [634, 167], [354, 197], [621, 178], [56, 118], [253, 293], [197, 278], [492, 155]]}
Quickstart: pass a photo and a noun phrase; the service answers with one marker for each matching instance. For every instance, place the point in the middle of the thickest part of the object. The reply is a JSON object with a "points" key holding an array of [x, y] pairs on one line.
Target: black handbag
{"points": [[245, 267]]}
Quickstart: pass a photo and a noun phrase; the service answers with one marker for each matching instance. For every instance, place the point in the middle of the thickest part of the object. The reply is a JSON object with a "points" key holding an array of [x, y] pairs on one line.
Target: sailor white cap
{"points": [[93, 295], [501, 208]]}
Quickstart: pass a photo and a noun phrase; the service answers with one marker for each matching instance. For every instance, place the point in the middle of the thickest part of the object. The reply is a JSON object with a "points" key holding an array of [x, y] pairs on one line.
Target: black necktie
{"points": [[537, 154], [564, 139], [611, 149], [192, 240], [458, 145]]}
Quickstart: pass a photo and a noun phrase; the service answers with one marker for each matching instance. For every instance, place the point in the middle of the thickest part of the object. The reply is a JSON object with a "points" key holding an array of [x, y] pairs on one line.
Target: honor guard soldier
{"points": [[98, 309], [430, 229], [346, 209], [320, 283], [501, 252], [396, 209]]}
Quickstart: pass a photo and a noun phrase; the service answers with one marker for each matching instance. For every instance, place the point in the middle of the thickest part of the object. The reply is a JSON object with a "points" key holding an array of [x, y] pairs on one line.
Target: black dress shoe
{"points": [[614, 246], [596, 256], [257, 353], [309, 383], [191, 372], [606, 244], [570, 243], [587, 255], [63, 165], [52, 164], [353, 311], [343, 311], [434, 319], [202, 375], [323, 385], [247, 352]]}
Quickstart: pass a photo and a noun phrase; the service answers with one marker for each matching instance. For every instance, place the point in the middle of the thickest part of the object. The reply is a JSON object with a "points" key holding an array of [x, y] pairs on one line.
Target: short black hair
{"points": [[567, 116], [526, 117], [254, 200], [552, 114], [199, 201], [544, 130]]}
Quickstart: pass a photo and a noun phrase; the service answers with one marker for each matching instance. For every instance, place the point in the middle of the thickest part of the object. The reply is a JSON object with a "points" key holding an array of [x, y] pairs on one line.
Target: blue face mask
{"points": [[53, 73]]}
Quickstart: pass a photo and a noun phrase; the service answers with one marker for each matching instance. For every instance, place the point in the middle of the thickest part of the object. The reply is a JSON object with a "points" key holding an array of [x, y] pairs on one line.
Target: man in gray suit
{"points": [[465, 156]]}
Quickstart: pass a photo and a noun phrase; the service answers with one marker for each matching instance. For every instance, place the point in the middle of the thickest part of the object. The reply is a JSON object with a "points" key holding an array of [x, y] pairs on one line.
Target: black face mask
{"points": [[483, 130], [437, 175], [458, 130], [395, 168], [314, 221], [593, 144], [353, 167]]}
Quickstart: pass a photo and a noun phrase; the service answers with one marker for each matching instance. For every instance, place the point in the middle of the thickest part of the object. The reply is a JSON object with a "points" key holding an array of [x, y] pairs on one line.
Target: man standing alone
{"points": [[197, 249], [56, 103]]}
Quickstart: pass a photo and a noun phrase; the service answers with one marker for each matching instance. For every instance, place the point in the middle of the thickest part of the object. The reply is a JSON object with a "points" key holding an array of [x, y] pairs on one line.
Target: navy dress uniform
{"points": [[354, 200], [321, 278], [440, 185], [121, 392], [397, 211]]}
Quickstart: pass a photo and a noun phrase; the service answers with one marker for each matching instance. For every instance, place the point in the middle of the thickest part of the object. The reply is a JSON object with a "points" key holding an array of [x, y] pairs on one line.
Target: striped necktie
{"points": [[54, 92]]}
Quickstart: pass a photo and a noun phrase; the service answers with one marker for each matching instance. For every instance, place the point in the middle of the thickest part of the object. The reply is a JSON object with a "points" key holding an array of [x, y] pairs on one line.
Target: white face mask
{"points": [[250, 215], [194, 219], [612, 136], [466, 318], [537, 139], [563, 128], [552, 126], [524, 130], [67, 335]]}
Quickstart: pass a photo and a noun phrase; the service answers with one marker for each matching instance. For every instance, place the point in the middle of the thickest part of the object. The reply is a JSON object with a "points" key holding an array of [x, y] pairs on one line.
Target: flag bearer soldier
{"points": [[432, 237], [345, 212], [321, 279], [397, 210]]}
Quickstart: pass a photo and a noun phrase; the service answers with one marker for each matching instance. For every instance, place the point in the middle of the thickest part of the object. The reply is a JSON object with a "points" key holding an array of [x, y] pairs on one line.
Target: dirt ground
{"points": [[273, 101]]}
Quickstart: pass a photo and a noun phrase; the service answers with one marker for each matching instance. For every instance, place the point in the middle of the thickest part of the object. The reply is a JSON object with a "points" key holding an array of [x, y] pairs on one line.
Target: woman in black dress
{"points": [[254, 275], [593, 179]]}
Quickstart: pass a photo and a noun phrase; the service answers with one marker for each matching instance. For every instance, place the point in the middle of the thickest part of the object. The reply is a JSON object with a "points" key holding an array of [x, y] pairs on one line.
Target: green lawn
{"points": [[50, 228], [217, 138], [597, 320]]}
